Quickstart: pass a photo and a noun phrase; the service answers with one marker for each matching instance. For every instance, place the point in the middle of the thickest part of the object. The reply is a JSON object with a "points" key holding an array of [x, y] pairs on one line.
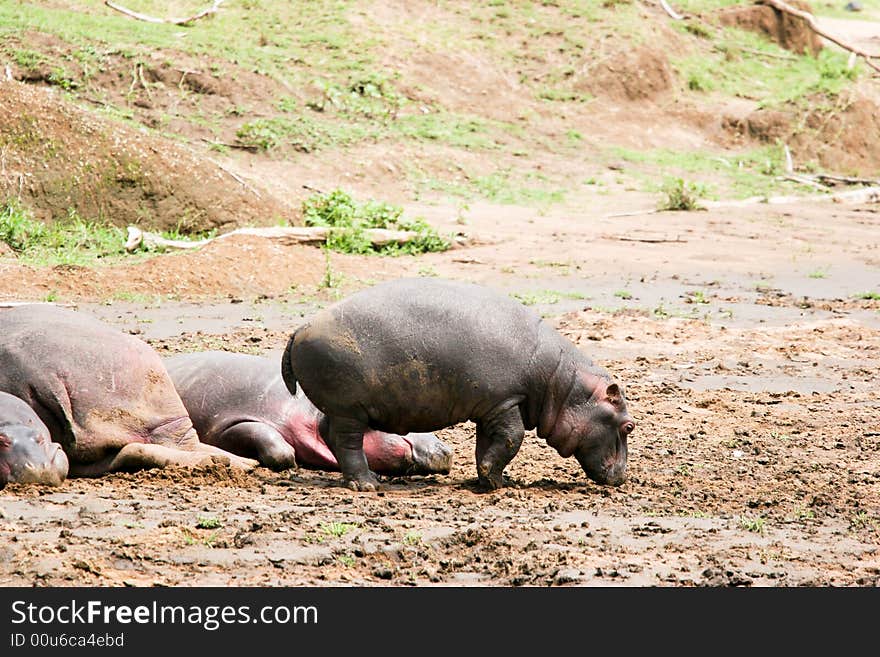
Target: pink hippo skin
{"points": [[104, 395], [239, 403]]}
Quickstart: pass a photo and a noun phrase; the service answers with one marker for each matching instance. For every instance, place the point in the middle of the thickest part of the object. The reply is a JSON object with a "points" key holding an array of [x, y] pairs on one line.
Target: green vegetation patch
{"points": [[747, 65], [351, 219], [752, 173], [70, 241]]}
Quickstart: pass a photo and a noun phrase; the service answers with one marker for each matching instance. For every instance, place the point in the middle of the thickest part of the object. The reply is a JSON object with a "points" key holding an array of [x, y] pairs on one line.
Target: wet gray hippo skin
{"points": [[27, 453], [421, 354], [239, 403], [103, 394]]}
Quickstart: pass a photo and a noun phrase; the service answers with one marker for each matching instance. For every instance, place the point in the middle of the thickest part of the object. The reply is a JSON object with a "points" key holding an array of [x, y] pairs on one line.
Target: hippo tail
{"points": [[286, 368]]}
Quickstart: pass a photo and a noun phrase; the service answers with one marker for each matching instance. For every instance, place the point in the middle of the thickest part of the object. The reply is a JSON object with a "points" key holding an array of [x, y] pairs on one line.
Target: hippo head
{"points": [[410, 454], [27, 455], [594, 430]]}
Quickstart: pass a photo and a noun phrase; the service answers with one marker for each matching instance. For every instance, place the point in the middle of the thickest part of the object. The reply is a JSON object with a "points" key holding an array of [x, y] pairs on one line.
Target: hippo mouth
{"points": [[52, 473], [429, 455], [609, 471]]}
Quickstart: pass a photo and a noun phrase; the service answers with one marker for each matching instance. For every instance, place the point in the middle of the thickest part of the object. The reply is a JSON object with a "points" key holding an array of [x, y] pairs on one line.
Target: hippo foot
{"points": [[363, 483], [489, 483]]}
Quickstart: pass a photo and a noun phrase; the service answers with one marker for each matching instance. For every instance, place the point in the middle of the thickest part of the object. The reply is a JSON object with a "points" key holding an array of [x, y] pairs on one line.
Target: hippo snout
{"points": [[430, 454], [48, 468], [608, 469]]}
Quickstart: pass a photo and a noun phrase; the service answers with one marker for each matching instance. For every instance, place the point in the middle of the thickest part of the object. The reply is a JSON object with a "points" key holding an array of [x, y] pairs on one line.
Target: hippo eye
{"points": [[628, 428]]}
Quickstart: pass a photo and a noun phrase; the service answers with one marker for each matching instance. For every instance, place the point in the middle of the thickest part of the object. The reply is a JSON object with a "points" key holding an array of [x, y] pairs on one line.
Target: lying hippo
{"points": [[239, 403], [103, 394], [27, 453], [420, 354]]}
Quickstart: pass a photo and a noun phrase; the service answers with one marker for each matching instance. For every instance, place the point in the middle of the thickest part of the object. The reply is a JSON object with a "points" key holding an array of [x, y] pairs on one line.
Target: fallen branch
{"points": [[238, 179], [867, 195], [845, 179], [674, 15], [810, 20], [244, 147], [634, 213], [174, 21], [285, 234], [16, 304], [804, 180]]}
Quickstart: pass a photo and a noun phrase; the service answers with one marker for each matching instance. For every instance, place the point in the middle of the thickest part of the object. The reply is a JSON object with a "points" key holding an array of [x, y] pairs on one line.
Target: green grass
{"points": [[547, 297], [261, 36], [208, 522], [71, 241], [734, 69], [681, 195], [504, 186], [818, 273], [740, 175], [753, 524], [302, 133], [351, 218], [623, 294], [868, 296], [337, 529]]}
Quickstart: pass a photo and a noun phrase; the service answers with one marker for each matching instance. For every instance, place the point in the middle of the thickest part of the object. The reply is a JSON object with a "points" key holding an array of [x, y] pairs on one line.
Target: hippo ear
{"points": [[613, 394]]}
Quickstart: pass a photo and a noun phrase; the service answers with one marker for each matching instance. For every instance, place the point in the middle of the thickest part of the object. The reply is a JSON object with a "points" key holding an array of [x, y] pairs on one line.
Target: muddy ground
{"points": [[750, 364], [747, 338]]}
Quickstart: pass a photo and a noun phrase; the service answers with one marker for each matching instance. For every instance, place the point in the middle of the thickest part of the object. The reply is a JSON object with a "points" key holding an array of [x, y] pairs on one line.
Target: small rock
{"points": [[383, 573], [853, 6], [567, 576]]}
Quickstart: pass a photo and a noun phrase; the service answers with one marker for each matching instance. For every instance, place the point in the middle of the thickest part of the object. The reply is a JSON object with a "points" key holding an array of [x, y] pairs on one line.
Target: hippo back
{"points": [[95, 387]]}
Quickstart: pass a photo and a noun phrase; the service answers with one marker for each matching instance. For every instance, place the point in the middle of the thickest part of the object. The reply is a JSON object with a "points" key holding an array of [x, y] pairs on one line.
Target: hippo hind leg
{"points": [[144, 456], [260, 439], [498, 440], [347, 442]]}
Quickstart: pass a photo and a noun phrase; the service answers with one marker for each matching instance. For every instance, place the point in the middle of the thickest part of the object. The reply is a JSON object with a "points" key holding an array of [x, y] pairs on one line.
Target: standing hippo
{"points": [[420, 354], [103, 394], [27, 453], [239, 403]]}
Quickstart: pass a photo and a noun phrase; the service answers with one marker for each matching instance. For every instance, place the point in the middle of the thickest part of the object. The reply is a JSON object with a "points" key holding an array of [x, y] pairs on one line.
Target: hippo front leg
{"points": [[347, 443], [145, 456], [258, 438], [499, 438]]}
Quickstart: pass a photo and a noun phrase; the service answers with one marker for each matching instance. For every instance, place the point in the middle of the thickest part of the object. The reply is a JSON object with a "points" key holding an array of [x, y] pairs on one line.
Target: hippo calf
{"points": [[420, 354], [104, 395], [27, 453], [239, 403]]}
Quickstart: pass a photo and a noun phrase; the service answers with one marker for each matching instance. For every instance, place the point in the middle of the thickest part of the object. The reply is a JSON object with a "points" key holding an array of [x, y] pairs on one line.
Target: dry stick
{"points": [[635, 213], [866, 195], [16, 304], [243, 147], [804, 180], [674, 15], [286, 234], [174, 21], [647, 240], [811, 23], [238, 179], [846, 179], [773, 55]]}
